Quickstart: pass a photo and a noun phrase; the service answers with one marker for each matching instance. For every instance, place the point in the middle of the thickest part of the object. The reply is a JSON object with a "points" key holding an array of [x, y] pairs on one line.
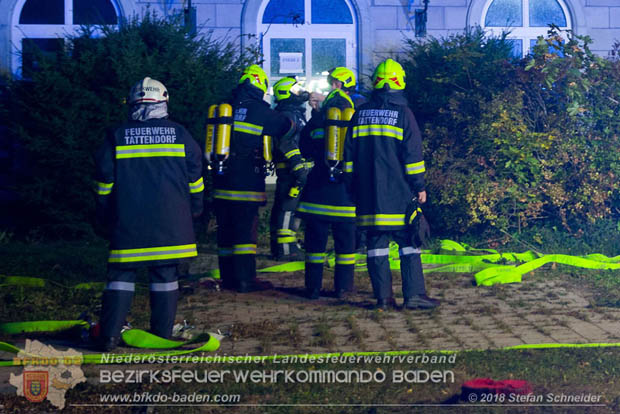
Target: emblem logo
{"points": [[36, 385]]}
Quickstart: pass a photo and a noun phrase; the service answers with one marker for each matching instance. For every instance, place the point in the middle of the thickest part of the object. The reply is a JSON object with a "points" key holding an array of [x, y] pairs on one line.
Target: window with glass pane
{"points": [[546, 12], [331, 12], [284, 11], [285, 51], [517, 47], [43, 12], [551, 49], [328, 54], [33, 50], [505, 13], [93, 12]]}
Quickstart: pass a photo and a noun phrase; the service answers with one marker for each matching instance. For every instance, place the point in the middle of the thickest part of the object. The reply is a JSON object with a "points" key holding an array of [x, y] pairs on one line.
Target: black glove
{"points": [[300, 172], [417, 225]]}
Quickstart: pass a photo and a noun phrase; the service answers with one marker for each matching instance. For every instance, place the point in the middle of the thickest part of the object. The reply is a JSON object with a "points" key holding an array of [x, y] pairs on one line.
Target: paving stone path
{"points": [[282, 321]]}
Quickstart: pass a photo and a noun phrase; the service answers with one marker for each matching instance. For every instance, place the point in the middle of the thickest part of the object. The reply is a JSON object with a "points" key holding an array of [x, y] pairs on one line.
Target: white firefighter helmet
{"points": [[148, 91]]}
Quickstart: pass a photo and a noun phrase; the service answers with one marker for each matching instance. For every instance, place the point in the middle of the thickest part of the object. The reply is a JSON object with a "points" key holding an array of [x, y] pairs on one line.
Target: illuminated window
{"points": [[306, 38]]}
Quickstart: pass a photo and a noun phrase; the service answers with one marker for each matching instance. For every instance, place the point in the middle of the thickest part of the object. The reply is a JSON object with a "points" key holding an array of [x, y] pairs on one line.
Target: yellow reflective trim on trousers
{"points": [[381, 220], [286, 232], [415, 168], [315, 257], [153, 150], [197, 186], [378, 130], [326, 210], [256, 196], [248, 128], [287, 239], [292, 153], [348, 166], [104, 188], [345, 258], [244, 249], [152, 253]]}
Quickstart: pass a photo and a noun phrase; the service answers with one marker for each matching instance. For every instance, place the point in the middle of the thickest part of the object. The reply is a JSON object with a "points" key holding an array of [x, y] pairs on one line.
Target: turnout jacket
{"points": [[296, 113], [149, 184], [329, 200], [384, 163], [244, 177]]}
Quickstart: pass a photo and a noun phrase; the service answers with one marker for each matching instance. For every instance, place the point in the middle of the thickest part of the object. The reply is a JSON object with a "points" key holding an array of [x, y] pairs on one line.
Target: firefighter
{"points": [[316, 99], [240, 189], [149, 187], [290, 101], [325, 202], [385, 168]]}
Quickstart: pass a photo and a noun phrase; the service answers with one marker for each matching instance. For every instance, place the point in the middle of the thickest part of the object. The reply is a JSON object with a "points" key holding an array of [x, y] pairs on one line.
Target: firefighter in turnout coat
{"points": [[149, 186], [240, 190], [385, 168], [325, 201], [290, 101]]}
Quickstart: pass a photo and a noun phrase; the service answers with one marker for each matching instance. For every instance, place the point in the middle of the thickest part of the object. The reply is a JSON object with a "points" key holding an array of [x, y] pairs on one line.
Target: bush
{"points": [[60, 114], [512, 143]]}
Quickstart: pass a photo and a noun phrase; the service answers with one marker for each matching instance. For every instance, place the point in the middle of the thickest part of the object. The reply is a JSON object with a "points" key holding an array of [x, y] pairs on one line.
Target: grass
{"points": [[552, 370], [568, 371]]}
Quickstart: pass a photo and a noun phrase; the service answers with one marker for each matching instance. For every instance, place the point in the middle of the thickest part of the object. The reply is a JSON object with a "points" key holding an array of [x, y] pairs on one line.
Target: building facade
{"points": [[307, 37]]}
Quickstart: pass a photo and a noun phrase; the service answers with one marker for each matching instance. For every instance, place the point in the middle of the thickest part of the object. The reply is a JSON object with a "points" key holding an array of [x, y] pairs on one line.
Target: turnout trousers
{"points": [[317, 232], [379, 264], [118, 295], [237, 224], [283, 224]]}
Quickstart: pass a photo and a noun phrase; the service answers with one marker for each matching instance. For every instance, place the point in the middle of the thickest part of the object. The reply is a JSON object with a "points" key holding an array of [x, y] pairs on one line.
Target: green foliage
{"points": [[512, 143], [60, 114]]}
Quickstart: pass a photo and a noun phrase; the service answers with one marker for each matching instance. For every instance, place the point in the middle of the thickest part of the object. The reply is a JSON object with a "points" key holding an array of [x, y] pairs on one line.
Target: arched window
{"points": [[525, 20], [305, 38], [43, 25]]}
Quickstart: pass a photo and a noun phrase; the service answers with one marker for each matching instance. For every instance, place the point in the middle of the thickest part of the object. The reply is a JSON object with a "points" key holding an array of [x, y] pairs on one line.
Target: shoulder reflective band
{"points": [[378, 130], [348, 167], [381, 220], [146, 151], [152, 253], [317, 133], [415, 168], [197, 186], [292, 153], [104, 188], [232, 195], [248, 128], [326, 210]]}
